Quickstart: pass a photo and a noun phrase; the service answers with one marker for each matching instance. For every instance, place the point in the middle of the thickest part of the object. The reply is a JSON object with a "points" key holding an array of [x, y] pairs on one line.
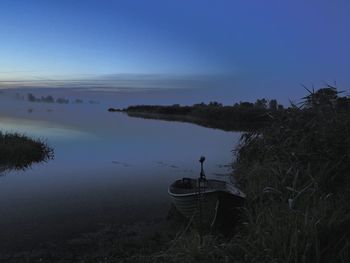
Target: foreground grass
{"points": [[19, 152], [296, 174]]}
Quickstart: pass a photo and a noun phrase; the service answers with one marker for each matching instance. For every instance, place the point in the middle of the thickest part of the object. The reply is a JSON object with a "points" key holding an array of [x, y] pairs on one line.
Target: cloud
{"points": [[119, 81]]}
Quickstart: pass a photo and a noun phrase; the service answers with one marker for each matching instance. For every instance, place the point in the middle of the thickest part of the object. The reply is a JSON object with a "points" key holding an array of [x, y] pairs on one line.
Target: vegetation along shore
{"points": [[296, 174], [241, 116], [19, 151]]}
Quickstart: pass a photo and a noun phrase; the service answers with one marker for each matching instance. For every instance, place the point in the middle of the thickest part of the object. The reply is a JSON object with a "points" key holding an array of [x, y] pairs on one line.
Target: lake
{"points": [[109, 169]]}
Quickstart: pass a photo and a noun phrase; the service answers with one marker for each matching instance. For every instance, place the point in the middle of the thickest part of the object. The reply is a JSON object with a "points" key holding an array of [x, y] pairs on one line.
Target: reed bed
{"points": [[296, 174]]}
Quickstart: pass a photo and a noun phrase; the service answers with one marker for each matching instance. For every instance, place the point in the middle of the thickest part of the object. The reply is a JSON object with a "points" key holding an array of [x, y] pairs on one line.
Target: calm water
{"points": [[108, 169]]}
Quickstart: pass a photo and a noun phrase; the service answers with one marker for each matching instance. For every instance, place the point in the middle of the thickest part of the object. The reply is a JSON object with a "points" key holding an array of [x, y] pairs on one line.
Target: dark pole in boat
{"points": [[201, 178], [201, 160]]}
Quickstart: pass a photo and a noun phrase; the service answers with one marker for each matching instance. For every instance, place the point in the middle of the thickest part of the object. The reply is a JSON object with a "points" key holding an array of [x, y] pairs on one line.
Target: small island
{"points": [[19, 151]]}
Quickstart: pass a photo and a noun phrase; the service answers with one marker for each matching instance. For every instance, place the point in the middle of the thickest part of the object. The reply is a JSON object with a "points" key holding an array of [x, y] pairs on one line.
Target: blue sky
{"points": [[262, 47]]}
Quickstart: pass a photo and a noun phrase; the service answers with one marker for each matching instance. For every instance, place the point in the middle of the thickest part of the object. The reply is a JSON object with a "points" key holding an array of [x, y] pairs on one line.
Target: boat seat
{"points": [[185, 183]]}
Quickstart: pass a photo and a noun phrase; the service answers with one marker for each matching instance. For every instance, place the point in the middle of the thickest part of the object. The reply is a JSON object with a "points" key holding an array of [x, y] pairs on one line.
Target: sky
{"points": [[248, 48]]}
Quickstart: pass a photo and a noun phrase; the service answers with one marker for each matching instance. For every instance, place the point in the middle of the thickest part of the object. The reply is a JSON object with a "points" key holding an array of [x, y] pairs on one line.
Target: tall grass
{"points": [[19, 152], [296, 174]]}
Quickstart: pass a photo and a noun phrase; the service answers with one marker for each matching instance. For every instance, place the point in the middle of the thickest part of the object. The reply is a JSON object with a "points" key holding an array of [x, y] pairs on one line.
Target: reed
{"points": [[19, 151], [296, 174]]}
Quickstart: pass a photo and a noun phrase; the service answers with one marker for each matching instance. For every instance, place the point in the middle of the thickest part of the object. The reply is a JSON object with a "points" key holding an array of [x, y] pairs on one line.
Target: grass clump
{"points": [[296, 174], [19, 152]]}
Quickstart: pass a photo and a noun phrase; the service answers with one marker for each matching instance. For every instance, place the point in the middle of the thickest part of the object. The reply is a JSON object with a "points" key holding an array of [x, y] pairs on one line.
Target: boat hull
{"points": [[201, 204], [199, 208]]}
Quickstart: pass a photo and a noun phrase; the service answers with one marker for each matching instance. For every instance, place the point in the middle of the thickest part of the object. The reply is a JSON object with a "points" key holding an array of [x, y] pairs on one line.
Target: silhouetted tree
{"points": [[215, 104], [273, 105], [261, 104], [202, 104], [31, 97], [246, 104], [48, 99], [62, 101]]}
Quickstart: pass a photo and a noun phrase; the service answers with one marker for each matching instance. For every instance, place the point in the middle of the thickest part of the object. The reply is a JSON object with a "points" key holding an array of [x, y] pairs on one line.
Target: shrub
{"points": [[19, 152]]}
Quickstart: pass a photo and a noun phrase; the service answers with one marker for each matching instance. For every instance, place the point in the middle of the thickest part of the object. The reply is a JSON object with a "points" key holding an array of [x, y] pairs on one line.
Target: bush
{"points": [[19, 152]]}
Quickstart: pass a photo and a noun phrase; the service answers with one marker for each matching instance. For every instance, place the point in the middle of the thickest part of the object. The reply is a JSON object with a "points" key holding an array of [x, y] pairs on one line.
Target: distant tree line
{"points": [[240, 116], [264, 104], [51, 99]]}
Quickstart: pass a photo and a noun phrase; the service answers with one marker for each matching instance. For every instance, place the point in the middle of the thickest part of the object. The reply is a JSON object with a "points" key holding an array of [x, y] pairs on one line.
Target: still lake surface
{"points": [[108, 169]]}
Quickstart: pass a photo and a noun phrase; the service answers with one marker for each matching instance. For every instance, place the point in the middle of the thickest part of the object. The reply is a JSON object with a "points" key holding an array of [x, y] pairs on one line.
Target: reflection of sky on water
{"points": [[40, 129], [108, 169]]}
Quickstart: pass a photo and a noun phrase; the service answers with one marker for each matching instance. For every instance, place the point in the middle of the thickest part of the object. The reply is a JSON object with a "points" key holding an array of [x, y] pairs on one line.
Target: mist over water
{"points": [[108, 168]]}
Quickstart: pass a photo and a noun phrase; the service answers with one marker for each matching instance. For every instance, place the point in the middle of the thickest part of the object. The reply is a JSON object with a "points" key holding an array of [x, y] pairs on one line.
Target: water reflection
{"points": [[108, 169], [42, 129]]}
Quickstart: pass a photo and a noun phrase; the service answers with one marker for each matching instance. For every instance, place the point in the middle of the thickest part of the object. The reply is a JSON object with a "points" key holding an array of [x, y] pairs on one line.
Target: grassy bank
{"points": [[296, 174], [19, 151]]}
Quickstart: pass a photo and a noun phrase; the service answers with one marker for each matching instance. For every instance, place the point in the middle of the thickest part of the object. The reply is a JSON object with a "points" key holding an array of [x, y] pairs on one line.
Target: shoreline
{"points": [[109, 242], [206, 116]]}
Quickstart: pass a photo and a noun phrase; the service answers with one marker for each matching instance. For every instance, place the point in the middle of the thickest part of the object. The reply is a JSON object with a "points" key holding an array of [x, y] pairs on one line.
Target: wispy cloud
{"points": [[116, 81]]}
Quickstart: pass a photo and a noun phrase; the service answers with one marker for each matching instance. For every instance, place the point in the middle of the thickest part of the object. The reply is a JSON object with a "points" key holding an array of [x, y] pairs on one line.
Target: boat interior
{"points": [[190, 185]]}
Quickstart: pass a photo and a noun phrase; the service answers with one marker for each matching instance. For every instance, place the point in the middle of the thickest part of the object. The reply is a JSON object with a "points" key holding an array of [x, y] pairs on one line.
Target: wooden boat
{"points": [[200, 199]]}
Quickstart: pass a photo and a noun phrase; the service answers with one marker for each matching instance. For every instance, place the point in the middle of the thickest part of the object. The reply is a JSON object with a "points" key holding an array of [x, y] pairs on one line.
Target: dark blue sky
{"points": [[255, 47]]}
